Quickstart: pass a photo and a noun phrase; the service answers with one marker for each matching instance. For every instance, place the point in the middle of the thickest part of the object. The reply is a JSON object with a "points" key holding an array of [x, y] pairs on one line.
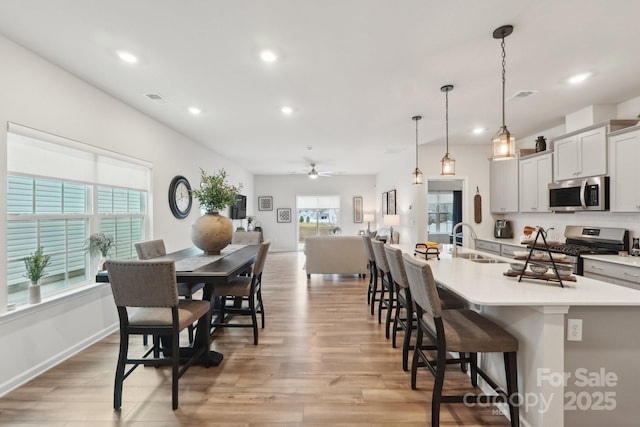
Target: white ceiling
{"points": [[355, 71]]}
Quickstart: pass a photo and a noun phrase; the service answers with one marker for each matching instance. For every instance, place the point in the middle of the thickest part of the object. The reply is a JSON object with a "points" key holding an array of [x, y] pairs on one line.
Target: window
{"points": [[440, 211], [58, 193]]}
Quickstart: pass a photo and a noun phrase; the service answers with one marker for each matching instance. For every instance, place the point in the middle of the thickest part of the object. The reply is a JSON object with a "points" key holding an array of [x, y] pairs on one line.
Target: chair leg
{"points": [[473, 366], [254, 319], [370, 287], [510, 364], [394, 331], [406, 341], [145, 340], [122, 360], [374, 291], [416, 356], [441, 365], [175, 358], [381, 301], [259, 293], [390, 306]]}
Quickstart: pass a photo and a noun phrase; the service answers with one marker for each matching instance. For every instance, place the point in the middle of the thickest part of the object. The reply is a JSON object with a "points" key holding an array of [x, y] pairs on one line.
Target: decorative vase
{"points": [[34, 292], [102, 264], [212, 232], [541, 144]]}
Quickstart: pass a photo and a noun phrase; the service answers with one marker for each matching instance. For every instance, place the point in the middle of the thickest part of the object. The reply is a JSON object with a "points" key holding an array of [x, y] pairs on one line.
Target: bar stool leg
{"points": [[510, 364]]}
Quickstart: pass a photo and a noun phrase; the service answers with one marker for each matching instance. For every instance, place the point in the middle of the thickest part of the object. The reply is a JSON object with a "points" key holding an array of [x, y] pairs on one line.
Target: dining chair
{"points": [[150, 287], [463, 331], [154, 249], [245, 293], [372, 290], [387, 291]]}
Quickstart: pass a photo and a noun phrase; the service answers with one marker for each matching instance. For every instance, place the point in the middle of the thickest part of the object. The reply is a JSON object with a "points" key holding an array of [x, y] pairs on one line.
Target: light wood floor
{"points": [[322, 360]]}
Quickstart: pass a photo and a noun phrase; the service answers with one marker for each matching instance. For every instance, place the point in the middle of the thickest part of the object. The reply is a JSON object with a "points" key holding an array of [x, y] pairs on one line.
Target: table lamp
{"points": [[369, 218], [391, 220]]}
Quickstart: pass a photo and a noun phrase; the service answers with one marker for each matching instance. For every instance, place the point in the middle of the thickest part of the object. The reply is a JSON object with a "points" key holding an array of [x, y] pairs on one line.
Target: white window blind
{"points": [[318, 202]]}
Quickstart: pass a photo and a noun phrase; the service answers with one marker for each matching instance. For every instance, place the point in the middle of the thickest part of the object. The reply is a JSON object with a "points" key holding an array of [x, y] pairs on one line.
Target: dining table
{"points": [[195, 266]]}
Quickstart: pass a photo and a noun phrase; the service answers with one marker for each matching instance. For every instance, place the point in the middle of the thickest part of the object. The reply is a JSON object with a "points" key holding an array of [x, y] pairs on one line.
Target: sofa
{"points": [[335, 255]]}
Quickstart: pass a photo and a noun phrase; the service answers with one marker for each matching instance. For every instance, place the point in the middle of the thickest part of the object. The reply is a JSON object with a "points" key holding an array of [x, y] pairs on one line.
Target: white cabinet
{"points": [[619, 274], [535, 175], [488, 246], [508, 251], [581, 155], [504, 186], [624, 155]]}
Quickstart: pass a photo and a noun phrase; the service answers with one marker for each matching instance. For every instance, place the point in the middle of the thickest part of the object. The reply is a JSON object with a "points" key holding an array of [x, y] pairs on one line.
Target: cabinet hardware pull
{"points": [[631, 275], [597, 268]]}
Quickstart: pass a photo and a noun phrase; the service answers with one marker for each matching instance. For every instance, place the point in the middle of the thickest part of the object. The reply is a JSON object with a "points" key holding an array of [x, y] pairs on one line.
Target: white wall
{"points": [[285, 188], [42, 96]]}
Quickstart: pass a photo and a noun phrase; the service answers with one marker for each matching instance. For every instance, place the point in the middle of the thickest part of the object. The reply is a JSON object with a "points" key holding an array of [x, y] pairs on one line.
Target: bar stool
{"points": [[373, 273], [386, 285], [404, 303], [463, 331]]}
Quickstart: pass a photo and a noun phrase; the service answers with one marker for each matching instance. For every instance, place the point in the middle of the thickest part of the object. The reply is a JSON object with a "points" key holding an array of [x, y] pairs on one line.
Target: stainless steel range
{"points": [[581, 240]]}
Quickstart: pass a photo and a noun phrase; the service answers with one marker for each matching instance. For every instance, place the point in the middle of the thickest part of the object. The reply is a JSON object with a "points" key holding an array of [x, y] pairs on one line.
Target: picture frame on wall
{"points": [[385, 203], [284, 215], [357, 209], [265, 203], [391, 203]]}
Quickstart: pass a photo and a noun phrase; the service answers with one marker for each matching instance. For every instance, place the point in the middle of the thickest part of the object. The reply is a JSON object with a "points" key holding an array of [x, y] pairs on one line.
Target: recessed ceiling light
{"points": [[268, 56], [578, 78], [478, 131], [127, 57], [286, 110], [194, 110]]}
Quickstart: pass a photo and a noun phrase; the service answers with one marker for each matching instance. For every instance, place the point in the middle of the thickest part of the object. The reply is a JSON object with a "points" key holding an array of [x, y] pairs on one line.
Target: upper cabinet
{"points": [[504, 186], [583, 153], [624, 154], [536, 172]]}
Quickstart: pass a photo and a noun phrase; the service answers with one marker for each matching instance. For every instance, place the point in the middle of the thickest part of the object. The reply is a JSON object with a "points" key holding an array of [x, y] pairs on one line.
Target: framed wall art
{"points": [[385, 203], [391, 203], [357, 209], [284, 215], [265, 203]]}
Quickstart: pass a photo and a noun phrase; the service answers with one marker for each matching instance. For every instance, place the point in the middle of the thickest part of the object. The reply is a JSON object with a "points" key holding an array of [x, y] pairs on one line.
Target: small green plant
{"points": [[99, 244], [215, 193], [35, 265]]}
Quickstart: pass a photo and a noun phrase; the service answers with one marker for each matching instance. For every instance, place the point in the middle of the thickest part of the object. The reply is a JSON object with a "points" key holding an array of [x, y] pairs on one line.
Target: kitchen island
{"points": [[591, 382]]}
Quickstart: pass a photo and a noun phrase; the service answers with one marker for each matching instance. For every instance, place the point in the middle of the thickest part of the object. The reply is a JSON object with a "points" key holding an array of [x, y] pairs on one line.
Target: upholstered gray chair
{"points": [[150, 287], [463, 331], [154, 249], [246, 290], [387, 291], [404, 315], [372, 290]]}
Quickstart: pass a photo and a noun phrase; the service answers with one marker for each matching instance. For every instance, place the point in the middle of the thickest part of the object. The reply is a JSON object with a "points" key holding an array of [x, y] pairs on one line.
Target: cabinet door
{"points": [[624, 153], [544, 167], [593, 153], [566, 158], [528, 184], [504, 186]]}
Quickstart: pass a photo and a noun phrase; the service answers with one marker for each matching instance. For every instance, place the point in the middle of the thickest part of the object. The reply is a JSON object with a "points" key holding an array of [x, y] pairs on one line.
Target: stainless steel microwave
{"points": [[588, 194]]}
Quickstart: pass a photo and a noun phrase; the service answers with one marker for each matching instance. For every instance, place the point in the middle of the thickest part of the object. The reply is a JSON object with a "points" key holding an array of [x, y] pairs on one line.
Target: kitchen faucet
{"points": [[454, 251]]}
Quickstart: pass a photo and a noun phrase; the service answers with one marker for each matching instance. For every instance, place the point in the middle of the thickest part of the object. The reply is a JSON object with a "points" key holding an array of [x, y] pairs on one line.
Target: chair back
{"points": [[263, 249], [380, 256], [368, 249], [143, 283], [422, 285], [150, 249], [396, 266]]}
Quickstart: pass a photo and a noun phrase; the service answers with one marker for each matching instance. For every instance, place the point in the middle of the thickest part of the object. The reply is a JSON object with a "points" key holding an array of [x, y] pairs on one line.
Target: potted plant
{"points": [[212, 231], [99, 244], [35, 265]]}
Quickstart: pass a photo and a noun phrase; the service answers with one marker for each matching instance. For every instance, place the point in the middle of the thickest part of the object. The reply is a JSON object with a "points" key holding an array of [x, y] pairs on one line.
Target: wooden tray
{"points": [[542, 260], [545, 276]]}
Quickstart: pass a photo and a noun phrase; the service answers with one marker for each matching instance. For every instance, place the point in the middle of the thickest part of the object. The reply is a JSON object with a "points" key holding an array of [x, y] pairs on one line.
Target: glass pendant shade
{"points": [[448, 166], [503, 145]]}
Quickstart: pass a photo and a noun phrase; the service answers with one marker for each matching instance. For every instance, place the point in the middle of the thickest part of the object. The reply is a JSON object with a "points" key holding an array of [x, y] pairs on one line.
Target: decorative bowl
{"points": [[517, 267], [538, 269], [564, 270]]}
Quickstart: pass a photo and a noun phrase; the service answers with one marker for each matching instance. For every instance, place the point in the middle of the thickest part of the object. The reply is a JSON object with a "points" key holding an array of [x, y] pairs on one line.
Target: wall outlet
{"points": [[574, 329]]}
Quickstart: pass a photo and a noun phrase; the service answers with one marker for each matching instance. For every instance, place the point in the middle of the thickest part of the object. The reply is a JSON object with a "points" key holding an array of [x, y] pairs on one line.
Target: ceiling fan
{"points": [[314, 174]]}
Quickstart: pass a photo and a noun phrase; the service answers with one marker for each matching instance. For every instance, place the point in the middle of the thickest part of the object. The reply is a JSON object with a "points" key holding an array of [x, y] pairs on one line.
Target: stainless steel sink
{"points": [[480, 258]]}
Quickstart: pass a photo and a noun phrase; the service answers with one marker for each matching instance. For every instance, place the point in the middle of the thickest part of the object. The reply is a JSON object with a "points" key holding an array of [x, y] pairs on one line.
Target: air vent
{"points": [[522, 94], [156, 97]]}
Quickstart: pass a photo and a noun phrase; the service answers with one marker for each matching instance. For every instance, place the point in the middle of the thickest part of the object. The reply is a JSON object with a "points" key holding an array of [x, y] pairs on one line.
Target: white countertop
{"points": [[485, 284], [629, 261]]}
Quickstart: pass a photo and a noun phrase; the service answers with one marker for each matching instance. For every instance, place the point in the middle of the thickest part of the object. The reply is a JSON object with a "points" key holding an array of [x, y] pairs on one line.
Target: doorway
{"points": [[444, 208], [317, 216]]}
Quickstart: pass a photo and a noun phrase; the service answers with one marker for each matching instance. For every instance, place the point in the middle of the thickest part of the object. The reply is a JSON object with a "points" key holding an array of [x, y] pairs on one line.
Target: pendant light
{"points": [[448, 164], [417, 177], [503, 144]]}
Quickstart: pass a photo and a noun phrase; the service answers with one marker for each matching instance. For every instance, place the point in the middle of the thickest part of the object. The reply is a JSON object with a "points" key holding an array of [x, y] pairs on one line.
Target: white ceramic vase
{"points": [[212, 232], [34, 292]]}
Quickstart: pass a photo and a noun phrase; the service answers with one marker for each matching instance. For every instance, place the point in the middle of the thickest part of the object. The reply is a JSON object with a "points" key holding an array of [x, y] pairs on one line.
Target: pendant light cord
{"points": [[446, 118], [504, 54], [417, 144]]}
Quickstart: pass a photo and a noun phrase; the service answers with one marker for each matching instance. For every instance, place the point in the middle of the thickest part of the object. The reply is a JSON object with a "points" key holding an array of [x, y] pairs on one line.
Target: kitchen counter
{"points": [[536, 313], [630, 261]]}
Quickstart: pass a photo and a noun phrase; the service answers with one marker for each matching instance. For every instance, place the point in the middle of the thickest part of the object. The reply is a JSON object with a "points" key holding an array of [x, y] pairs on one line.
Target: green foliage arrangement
{"points": [[99, 244], [35, 265], [215, 193]]}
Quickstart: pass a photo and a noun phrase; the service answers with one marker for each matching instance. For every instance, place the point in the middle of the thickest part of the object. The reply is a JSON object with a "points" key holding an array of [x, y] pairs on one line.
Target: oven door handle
{"points": [[583, 190]]}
